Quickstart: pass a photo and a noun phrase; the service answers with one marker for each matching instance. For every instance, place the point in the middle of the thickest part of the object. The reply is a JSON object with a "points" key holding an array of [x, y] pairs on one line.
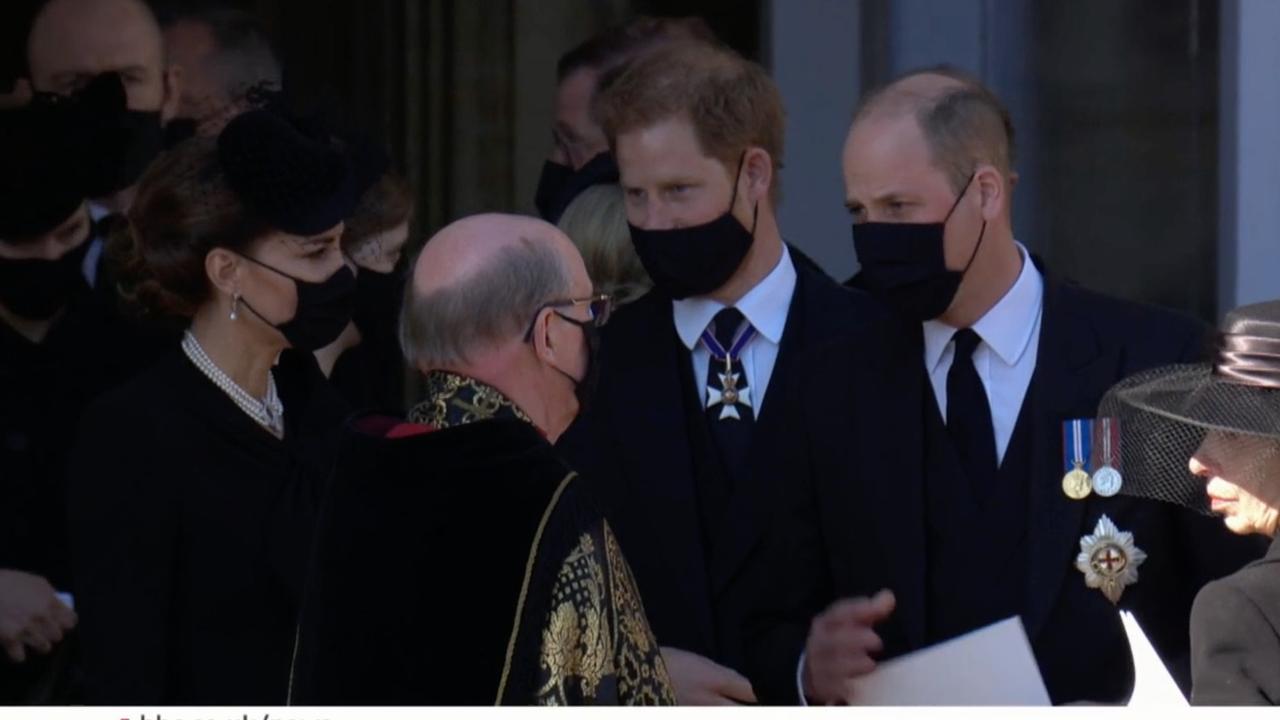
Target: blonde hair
{"points": [[596, 222]]}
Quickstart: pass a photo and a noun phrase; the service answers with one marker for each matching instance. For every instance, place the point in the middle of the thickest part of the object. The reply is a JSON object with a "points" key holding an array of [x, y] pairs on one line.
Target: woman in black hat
{"points": [[194, 485], [1225, 417]]}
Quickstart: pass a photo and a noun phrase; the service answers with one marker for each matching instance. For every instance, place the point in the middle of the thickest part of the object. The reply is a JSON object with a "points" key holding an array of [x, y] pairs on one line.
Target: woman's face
{"points": [[381, 252], [310, 259], [1243, 474]]}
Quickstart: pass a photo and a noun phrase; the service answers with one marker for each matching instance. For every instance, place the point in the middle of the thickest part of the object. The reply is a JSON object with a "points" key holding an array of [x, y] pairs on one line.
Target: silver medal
{"points": [[1107, 481]]}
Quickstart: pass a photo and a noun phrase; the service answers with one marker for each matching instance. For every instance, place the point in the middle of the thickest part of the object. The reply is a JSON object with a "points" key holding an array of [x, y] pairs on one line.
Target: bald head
{"points": [[962, 123], [71, 41], [471, 245], [479, 282]]}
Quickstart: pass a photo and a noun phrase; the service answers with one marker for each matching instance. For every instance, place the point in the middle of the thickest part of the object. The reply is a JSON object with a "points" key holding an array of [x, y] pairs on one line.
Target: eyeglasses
{"points": [[599, 307]]}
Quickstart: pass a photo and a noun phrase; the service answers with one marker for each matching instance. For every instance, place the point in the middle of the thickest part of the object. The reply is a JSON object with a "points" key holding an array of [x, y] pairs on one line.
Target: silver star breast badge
{"points": [[1109, 559], [729, 397]]}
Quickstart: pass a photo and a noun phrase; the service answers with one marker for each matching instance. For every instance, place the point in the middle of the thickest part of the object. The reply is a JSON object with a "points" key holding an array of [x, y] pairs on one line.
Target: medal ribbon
{"points": [[1079, 442], [728, 356]]}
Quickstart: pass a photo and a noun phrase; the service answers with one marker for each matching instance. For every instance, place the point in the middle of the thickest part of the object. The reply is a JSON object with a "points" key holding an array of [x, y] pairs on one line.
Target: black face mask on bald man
{"points": [[110, 146]]}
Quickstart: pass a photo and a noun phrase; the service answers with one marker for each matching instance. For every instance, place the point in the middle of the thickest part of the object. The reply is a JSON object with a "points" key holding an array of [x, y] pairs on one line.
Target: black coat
{"points": [[856, 519], [436, 559], [44, 389], [637, 446], [1235, 637], [190, 532]]}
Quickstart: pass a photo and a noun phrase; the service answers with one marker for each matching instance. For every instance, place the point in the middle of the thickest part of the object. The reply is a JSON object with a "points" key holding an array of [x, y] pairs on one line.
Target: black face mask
{"points": [[905, 265], [178, 130], [691, 261], [377, 302], [38, 289], [584, 388], [560, 184], [324, 308], [114, 144]]}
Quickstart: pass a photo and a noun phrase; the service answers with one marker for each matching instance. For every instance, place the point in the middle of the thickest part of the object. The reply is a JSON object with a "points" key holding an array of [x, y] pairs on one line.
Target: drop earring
{"points": [[235, 302]]}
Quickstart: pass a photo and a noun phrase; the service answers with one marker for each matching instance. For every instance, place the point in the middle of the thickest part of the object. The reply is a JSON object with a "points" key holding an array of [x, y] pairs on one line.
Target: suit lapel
{"points": [[751, 505], [1071, 368], [895, 440], [648, 409]]}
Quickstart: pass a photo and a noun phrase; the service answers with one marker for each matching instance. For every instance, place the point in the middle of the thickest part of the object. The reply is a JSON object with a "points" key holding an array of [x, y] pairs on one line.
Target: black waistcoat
{"points": [[976, 536]]}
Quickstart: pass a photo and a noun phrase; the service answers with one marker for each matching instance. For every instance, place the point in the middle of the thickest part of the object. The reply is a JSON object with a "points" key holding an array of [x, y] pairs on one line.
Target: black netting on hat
{"points": [[1166, 415], [295, 179]]}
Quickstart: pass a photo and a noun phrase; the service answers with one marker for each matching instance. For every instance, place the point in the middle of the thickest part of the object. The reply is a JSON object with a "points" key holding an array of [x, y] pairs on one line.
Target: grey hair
{"points": [[244, 60], [445, 328]]}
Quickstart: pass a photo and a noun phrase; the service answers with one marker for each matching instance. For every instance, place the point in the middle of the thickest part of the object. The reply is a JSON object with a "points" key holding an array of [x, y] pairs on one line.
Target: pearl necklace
{"points": [[268, 412]]}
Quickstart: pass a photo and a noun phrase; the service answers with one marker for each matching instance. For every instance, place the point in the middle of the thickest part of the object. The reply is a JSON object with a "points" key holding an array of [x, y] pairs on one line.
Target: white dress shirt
{"points": [[1006, 357], [765, 306]]}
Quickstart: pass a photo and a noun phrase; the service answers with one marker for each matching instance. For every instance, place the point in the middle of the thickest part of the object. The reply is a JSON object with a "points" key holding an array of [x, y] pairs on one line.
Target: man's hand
{"points": [[841, 643], [699, 681], [31, 615]]}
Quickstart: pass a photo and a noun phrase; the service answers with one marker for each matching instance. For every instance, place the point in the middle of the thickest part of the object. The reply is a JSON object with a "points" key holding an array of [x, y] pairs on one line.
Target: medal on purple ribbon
{"points": [[729, 396]]}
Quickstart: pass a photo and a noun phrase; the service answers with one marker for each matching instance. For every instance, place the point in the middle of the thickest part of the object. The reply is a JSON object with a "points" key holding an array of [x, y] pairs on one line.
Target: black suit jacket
{"points": [[1235, 637], [635, 445], [856, 516]]}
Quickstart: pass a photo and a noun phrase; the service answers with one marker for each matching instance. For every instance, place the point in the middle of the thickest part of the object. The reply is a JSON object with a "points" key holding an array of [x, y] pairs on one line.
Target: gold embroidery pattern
{"points": [[597, 647], [642, 676], [453, 400]]}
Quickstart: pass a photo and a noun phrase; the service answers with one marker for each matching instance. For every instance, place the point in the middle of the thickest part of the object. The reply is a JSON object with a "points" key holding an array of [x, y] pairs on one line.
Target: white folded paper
{"points": [[1153, 686], [990, 666]]}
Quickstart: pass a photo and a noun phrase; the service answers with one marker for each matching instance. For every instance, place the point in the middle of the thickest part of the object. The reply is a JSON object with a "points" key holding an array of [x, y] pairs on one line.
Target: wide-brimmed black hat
{"points": [[1165, 414], [294, 175]]}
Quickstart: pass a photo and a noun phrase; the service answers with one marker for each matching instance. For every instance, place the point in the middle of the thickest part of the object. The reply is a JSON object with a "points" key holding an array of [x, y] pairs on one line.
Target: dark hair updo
{"points": [[183, 209]]}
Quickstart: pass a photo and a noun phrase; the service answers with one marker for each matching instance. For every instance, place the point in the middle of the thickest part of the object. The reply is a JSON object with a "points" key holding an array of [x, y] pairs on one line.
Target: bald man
{"points": [[957, 504], [459, 560], [72, 44]]}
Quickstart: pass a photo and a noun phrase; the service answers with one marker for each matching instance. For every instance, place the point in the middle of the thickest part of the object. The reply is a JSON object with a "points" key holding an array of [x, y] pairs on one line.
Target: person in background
{"points": [[365, 363], [74, 43], [580, 155], [194, 486], [511, 587], [596, 221], [228, 65], [47, 321]]}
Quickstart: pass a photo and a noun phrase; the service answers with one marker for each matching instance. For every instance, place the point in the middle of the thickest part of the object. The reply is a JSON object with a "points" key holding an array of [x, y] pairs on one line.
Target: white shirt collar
{"points": [[1007, 328], [765, 306]]}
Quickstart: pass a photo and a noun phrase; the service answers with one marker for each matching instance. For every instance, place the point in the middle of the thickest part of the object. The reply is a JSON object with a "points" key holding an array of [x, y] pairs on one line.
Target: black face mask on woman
{"points": [[324, 308], [692, 261], [905, 265]]}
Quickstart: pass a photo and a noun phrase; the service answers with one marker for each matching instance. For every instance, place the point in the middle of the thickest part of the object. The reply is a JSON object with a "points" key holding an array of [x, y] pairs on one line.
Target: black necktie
{"points": [[730, 408], [969, 414]]}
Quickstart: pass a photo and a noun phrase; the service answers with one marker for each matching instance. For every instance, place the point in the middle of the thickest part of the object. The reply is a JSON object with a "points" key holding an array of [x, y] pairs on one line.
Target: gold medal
{"points": [[1076, 483]]}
